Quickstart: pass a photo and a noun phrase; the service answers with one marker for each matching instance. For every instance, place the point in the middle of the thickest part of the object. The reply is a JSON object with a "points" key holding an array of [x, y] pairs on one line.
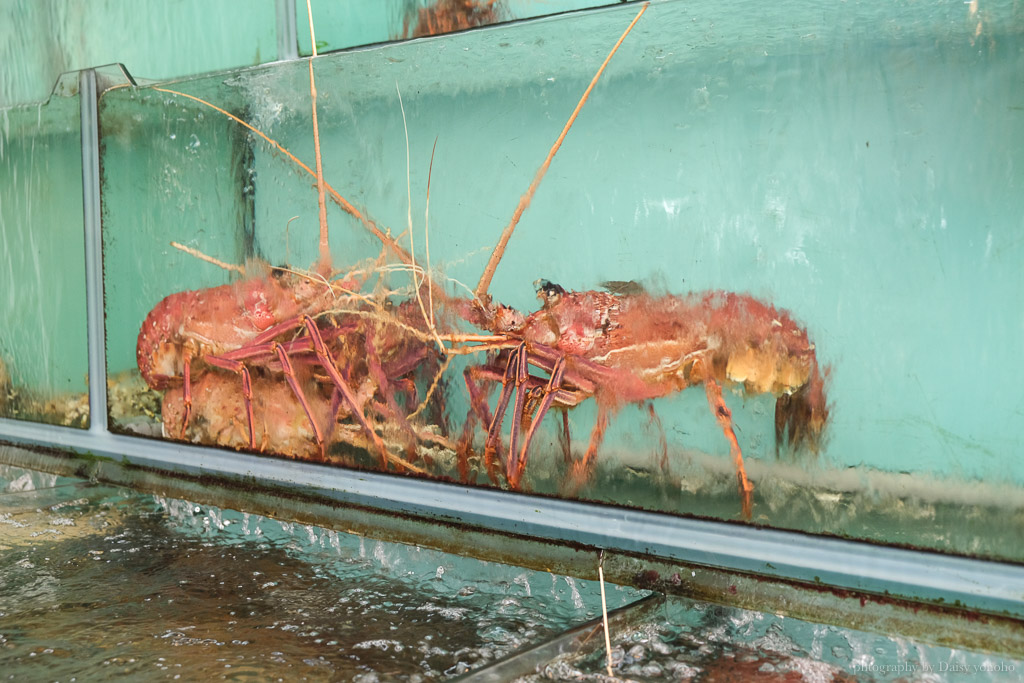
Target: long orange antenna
{"points": [[325, 247], [524, 201]]}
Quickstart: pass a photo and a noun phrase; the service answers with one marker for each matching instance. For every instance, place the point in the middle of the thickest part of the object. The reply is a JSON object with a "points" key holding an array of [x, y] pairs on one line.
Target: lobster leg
{"points": [[507, 387], [186, 394], [237, 367], [581, 469], [527, 388], [325, 360], [477, 409], [293, 382], [517, 461], [247, 400], [392, 411], [521, 370], [724, 417]]}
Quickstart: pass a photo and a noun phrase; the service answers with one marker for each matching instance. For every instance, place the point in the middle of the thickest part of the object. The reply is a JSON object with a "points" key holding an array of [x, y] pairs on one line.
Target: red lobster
{"points": [[249, 321], [632, 346], [379, 363]]}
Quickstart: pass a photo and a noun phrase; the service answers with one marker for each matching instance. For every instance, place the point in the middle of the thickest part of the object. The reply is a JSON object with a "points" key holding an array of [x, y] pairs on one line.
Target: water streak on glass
{"points": [[42, 39], [43, 365]]}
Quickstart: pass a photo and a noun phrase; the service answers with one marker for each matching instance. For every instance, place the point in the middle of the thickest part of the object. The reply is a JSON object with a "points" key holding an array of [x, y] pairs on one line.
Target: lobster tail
{"points": [[800, 417]]}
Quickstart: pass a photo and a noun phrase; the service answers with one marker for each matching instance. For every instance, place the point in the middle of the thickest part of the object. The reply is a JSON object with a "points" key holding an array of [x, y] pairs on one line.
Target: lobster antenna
{"points": [[321, 195], [426, 233], [209, 259], [428, 319], [336, 197], [524, 201]]}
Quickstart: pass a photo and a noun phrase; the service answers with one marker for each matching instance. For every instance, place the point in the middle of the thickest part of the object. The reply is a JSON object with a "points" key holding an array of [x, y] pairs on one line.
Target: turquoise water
{"points": [[851, 167], [41, 39], [42, 264]]}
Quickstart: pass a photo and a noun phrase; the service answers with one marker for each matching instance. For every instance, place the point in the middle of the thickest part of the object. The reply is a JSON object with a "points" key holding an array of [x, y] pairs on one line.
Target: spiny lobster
{"points": [[630, 346]]}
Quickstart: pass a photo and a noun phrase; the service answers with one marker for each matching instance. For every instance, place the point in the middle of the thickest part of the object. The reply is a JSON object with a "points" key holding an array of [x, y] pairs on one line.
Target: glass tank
{"points": [[43, 356], [42, 39], [340, 25], [770, 275]]}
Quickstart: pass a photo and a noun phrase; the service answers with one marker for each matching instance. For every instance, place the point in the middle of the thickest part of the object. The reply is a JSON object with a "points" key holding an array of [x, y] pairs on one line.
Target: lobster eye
{"points": [[548, 291]]}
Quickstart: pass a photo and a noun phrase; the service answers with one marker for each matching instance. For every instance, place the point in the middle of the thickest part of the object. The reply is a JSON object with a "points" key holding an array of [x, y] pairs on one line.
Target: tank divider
{"points": [[88, 99]]}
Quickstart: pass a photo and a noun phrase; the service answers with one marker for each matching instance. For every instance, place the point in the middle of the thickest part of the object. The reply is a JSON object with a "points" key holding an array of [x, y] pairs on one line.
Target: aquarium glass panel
{"points": [[41, 39], [771, 275], [43, 355], [340, 25]]}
